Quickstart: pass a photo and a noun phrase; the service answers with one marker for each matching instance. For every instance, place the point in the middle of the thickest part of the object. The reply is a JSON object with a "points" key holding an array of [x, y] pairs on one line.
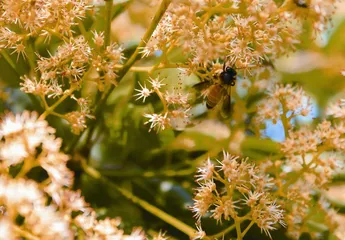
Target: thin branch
{"points": [[238, 230], [222, 233], [247, 229], [58, 102], [82, 28], [155, 21], [285, 120], [151, 68], [142, 203], [148, 174], [108, 18]]}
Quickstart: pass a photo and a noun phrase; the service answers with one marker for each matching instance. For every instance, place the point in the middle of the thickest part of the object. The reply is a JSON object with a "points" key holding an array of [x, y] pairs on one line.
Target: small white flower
{"points": [[98, 38], [13, 153], [157, 121], [143, 93], [175, 97], [180, 118], [156, 83], [206, 171]]}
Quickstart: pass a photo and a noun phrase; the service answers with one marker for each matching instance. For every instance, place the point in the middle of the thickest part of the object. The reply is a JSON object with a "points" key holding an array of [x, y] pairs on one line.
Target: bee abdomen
{"points": [[214, 95]]}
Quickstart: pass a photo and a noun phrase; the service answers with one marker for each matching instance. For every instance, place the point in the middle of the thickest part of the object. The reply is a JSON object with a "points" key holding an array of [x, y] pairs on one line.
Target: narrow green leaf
{"points": [[257, 148]]}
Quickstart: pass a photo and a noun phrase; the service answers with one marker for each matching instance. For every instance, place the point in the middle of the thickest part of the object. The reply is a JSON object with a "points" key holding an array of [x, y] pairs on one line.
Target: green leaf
{"points": [[257, 148], [337, 38], [11, 69], [118, 8], [166, 137], [337, 204], [316, 226], [319, 83], [196, 141], [339, 177]]}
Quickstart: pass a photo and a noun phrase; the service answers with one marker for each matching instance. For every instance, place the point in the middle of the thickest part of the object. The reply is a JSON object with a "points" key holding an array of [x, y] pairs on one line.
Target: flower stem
{"points": [[82, 28], [59, 115], [247, 228], [142, 203], [150, 68], [159, 14], [285, 120], [31, 55], [58, 102], [156, 19], [27, 166], [107, 30], [160, 95], [221, 9], [43, 98], [238, 230], [222, 233], [149, 174]]}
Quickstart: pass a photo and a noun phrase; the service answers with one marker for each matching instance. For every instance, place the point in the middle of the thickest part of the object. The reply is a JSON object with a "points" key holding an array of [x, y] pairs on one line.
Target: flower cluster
{"points": [[176, 108], [337, 110], [63, 71], [67, 68], [77, 119], [315, 151], [318, 12], [235, 190], [43, 17], [68, 59], [300, 191], [68, 62], [24, 198], [312, 155], [105, 61], [243, 34], [284, 102], [245, 31], [49, 209], [22, 136], [37, 18]]}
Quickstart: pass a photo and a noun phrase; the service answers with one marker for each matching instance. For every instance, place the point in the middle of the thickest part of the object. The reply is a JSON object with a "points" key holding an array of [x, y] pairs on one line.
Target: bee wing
{"points": [[202, 88], [202, 85], [226, 103]]}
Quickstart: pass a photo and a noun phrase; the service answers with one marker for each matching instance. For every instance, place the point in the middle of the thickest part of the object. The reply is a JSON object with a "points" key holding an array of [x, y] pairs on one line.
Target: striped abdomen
{"points": [[215, 94]]}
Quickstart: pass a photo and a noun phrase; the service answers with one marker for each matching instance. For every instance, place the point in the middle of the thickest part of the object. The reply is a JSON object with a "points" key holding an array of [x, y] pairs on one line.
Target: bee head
{"points": [[232, 72], [228, 76]]}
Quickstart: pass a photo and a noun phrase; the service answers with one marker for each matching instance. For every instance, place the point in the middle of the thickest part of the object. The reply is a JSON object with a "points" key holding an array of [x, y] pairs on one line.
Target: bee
{"points": [[218, 91]]}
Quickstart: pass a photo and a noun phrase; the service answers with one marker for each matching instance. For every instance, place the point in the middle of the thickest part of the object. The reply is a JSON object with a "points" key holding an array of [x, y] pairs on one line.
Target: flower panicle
{"points": [[232, 189], [51, 209]]}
